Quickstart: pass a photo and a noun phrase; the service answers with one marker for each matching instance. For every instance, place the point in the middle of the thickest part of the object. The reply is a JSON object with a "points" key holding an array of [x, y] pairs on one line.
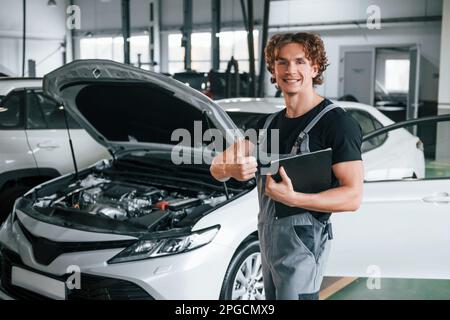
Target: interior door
{"points": [[402, 227], [358, 75]]}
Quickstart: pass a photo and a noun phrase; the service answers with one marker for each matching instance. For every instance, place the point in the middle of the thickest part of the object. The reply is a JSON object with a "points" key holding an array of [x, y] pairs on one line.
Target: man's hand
{"points": [[283, 191], [235, 162], [347, 197]]}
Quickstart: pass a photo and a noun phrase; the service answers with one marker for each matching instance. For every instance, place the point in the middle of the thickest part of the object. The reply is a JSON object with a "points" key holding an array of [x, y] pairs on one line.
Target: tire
{"points": [[7, 199], [240, 283]]}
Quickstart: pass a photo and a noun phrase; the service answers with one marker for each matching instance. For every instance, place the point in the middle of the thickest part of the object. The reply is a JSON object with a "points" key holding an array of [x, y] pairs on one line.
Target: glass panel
{"points": [[45, 113], [176, 51], [96, 48], [246, 120], [117, 49], [397, 75], [425, 155], [139, 45], [10, 112], [201, 66], [368, 124], [102, 48], [175, 67], [201, 46], [234, 43], [35, 115]]}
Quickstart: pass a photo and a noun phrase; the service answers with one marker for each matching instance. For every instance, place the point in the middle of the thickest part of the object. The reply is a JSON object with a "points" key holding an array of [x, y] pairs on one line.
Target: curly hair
{"points": [[312, 44]]}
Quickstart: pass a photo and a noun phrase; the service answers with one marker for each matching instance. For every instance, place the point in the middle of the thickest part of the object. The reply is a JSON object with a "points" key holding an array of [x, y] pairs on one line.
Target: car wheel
{"points": [[243, 279], [7, 199]]}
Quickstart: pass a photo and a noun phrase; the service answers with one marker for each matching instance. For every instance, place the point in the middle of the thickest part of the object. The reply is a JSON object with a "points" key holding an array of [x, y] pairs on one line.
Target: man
{"points": [[294, 249]]}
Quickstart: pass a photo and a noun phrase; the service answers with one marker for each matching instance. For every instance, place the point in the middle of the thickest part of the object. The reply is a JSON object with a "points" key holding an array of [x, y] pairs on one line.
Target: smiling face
{"points": [[293, 72]]}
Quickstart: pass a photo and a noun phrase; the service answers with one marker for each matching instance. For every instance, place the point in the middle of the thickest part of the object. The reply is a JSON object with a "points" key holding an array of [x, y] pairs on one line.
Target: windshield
{"points": [[246, 120]]}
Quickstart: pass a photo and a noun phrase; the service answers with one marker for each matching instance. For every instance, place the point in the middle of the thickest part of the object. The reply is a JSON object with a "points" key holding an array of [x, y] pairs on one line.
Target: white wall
{"points": [[45, 32], [105, 16], [427, 35], [323, 11]]}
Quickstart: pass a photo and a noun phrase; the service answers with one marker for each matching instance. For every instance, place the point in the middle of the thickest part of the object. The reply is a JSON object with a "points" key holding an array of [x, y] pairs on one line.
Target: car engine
{"points": [[144, 205]]}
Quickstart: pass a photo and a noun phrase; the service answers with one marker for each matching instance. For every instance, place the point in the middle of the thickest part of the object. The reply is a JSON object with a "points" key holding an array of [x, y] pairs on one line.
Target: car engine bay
{"points": [[149, 206]]}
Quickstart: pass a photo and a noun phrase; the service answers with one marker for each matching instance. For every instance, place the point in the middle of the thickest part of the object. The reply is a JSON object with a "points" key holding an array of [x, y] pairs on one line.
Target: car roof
{"points": [[9, 84], [271, 105]]}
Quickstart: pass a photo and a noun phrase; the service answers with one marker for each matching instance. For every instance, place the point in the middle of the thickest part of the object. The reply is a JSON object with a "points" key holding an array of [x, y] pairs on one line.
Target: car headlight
{"points": [[145, 249]]}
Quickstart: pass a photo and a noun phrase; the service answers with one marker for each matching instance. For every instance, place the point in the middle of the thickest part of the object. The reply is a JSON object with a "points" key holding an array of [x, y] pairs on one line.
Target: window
{"points": [[139, 45], [176, 54], [11, 111], [425, 155], [200, 52], [368, 124], [246, 120], [232, 43], [45, 113], [102, 48], [397, 75], [111, 48]]}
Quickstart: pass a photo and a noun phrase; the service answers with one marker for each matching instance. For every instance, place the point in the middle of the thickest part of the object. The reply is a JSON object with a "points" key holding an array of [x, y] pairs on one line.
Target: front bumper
{"points": [[197, 274]]}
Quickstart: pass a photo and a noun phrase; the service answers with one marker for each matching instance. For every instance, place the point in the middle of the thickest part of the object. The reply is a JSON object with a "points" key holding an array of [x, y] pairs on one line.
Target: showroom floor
{"points": [[395, 289], [436, 169]]}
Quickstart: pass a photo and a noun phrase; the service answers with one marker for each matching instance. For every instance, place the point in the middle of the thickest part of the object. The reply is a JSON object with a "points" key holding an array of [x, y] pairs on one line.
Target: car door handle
{"points": [[441, 197], [48, 145]]}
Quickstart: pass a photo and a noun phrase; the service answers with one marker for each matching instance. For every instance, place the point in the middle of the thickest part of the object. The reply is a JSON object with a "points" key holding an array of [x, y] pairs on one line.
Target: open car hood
{"points": [[124, 107]]}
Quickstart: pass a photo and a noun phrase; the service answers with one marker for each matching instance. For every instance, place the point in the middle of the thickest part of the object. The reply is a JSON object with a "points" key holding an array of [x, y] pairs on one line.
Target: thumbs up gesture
{"points": [[235, 162]]}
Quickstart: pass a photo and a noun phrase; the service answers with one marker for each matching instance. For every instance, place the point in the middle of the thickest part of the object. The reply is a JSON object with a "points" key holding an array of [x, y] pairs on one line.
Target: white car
{"points": [[34, 141], [394, 155], [142, 227]]}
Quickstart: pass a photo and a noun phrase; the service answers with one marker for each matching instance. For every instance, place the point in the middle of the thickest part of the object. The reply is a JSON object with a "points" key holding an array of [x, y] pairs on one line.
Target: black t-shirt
{"points": [[336, 129]]}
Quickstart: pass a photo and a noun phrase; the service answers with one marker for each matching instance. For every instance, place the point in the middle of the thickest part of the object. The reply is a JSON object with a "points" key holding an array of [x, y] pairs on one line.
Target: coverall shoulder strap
{"points": [[266, 125], [319, 116], [270, 119]]}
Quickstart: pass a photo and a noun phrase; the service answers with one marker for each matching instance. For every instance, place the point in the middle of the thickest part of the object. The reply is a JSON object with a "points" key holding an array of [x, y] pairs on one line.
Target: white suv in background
{"points": [[34, 144]]}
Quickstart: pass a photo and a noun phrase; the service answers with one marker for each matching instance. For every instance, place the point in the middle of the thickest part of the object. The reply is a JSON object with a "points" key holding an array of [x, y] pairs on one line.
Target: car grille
{"points": [[92, 287], [45, 250]]}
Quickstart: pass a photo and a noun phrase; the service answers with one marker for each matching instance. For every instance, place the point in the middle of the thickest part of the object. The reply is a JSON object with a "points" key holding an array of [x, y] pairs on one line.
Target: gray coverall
{"points": [[294, 249]]}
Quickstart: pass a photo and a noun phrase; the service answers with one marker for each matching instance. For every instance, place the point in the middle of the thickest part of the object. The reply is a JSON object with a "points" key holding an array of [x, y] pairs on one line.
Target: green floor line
{"points": [[435, 169], [395, 289]]}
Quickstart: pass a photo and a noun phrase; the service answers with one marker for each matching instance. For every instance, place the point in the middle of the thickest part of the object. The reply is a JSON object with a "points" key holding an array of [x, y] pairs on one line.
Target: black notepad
{"points": [[309, 173]]}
